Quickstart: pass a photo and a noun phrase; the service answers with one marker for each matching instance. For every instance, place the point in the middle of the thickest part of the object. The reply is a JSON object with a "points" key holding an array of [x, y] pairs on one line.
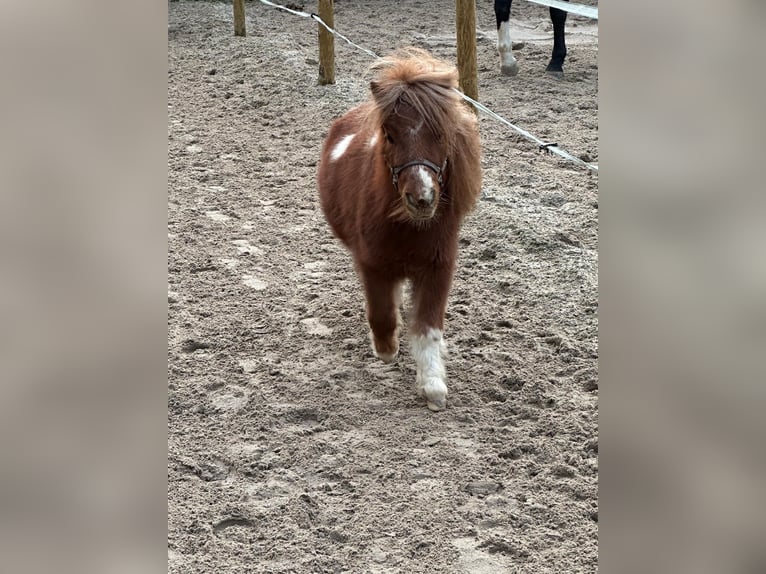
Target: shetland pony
{"points": [[508, 64], [397, 175]]}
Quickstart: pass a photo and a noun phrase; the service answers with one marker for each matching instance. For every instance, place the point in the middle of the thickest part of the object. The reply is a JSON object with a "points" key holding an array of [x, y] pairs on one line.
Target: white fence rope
{"points": [[550, 147], [320, 21], [579, 9]]}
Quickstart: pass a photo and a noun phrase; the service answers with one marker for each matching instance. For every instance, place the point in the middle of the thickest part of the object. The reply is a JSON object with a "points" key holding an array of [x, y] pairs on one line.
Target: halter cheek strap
{"points": [[439, 171]]}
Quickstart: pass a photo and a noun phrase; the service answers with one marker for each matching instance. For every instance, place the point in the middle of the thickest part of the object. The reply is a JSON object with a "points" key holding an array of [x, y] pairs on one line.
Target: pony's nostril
{"points": [[420, 203]]}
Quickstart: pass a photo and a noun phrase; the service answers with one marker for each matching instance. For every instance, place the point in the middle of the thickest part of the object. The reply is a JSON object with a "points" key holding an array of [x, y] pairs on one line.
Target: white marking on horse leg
{"points": [[341, 147], [428, 350], [372, 141], [508, 65], [428, 184]]}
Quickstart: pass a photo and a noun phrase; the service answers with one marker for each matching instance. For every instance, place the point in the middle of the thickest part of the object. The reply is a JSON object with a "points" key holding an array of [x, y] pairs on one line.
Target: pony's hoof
{"points": [[387, 354], [435, 392], [386, 351], [509, 69], [386, 357], [437, 406], [555, 74]]}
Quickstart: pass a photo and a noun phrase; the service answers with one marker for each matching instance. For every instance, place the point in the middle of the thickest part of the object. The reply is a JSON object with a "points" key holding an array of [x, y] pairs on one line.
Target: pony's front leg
{"points": [[429, 295], [383, 299]]}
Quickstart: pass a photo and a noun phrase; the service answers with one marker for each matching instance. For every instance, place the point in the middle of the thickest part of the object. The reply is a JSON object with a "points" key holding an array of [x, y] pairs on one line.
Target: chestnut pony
{"points": [[397, 175]]}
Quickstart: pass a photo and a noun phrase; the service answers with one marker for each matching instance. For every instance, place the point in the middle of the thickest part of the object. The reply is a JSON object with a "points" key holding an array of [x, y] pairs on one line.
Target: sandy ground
{"points": [[290, 447]]}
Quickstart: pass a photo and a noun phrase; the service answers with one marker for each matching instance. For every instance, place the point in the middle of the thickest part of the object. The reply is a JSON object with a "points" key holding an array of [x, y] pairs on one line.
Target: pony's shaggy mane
{"points": [[414, 77]]}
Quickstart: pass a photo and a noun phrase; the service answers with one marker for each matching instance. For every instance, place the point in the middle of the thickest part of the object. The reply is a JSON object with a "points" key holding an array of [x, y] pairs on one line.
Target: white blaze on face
{"points": [[341, 147], [373, 140], [427, 350], [427, 182]]}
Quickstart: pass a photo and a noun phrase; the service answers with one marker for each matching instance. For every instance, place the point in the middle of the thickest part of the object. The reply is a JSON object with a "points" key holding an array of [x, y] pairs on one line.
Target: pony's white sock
{"points": [[427, 351]]}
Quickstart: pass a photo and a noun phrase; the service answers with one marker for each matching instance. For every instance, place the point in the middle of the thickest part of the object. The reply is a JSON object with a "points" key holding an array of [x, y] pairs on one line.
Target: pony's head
{"points": [[416, 113], [417, 160]]}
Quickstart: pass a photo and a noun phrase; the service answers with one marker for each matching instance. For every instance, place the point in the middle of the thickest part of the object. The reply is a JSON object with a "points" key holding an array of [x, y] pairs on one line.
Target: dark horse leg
{"points": [[383, 298], [429, 297], [556, 65], [508, 64]]}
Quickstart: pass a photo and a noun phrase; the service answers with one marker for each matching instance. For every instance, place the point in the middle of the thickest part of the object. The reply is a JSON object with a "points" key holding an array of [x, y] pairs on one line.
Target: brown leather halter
{"points": [[395, 171]]}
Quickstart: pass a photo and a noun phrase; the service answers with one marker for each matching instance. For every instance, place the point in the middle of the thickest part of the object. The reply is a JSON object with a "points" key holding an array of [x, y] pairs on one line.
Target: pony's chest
{"points": [[408, 250]]}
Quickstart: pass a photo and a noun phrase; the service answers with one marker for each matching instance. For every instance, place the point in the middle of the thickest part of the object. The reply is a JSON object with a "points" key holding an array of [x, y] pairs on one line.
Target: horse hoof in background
{"points": [[397, 175]]}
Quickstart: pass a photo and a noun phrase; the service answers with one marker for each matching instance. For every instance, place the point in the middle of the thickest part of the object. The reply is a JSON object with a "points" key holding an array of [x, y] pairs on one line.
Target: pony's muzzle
{"points": [[420, 201], [423, 201], [420, 190]]}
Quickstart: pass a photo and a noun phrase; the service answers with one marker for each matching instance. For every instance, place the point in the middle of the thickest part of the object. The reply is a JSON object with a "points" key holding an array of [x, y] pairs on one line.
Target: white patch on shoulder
{"points": [[373, 140], [427, 350], [341, 147]]}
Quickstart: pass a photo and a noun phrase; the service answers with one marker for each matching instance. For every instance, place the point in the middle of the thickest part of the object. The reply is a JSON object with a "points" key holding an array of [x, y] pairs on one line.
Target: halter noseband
{"points": [[395, 171]]}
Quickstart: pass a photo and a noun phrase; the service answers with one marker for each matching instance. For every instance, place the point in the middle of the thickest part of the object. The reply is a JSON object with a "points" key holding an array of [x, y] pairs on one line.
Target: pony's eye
{"points": [[388, 137]]}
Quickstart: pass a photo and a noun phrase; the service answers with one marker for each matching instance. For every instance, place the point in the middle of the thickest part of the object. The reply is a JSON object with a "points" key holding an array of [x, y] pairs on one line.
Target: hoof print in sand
{"points": [[254, 283], [314, 327]]}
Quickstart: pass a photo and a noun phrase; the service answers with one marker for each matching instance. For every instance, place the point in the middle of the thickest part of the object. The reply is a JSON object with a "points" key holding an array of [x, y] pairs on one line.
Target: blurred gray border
{"points": [[83, 286], [682, 287], [83, 233]]}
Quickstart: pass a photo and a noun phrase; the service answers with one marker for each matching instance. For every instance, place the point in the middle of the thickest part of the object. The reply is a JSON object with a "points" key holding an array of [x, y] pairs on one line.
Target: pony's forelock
{"points": [[412, 76]]}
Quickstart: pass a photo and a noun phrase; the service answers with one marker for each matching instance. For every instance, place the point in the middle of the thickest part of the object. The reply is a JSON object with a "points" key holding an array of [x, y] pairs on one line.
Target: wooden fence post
{"points": [[326, 43], [239, 18], [465, 11]]}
